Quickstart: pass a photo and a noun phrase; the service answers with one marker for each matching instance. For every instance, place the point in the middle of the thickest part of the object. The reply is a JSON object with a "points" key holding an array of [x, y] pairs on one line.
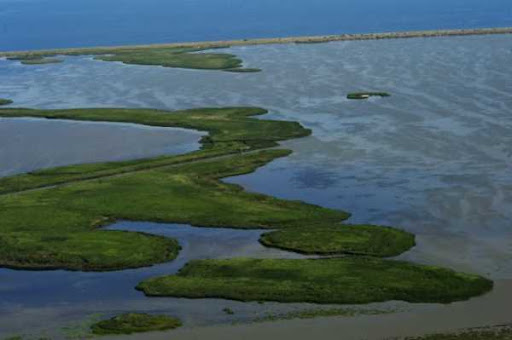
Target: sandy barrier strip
{"points": [[303, 39]]}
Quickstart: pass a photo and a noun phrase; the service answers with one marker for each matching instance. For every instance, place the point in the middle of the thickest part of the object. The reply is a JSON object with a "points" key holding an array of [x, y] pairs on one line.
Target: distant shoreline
{"points": [[266, 41]]}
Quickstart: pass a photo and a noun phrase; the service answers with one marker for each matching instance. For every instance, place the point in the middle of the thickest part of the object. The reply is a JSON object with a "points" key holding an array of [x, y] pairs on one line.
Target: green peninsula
{"points": [[5, 101]]}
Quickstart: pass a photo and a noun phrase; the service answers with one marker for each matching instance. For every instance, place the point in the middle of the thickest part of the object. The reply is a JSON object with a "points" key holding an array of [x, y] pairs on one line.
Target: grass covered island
{"points": [[366, 95], [5, 101], [190, 58], [50, 219], [135, 323], [379, 241], [347, 280]]}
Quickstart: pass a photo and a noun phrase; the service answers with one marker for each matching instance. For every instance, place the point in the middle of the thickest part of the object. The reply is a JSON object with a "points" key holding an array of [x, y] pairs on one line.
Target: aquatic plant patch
{"points": [[502, 332], [135, 323]]}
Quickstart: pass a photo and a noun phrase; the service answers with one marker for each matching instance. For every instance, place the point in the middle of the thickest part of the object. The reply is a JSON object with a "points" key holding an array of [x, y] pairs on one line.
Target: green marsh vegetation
{"points": [[346, 280], [189, 58], [182, 58], [57, 227], [5, 101], [135, 323], [51, 218], [370, 240], [28, 59], [366, 95]]}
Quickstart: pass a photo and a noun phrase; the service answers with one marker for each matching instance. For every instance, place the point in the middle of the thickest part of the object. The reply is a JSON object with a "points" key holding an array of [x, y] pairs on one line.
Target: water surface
{"points": [[40, 24]]}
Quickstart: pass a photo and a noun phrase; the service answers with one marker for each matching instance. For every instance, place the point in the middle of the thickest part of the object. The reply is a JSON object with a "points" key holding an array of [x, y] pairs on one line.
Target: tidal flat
{"points": [[352, 160]]}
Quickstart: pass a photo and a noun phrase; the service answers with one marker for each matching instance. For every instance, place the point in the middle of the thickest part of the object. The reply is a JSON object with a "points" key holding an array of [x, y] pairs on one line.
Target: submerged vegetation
{"points": [[346, 280], [366, 95], [321, 312], [5, 101], [503, 332], [135, 323]]}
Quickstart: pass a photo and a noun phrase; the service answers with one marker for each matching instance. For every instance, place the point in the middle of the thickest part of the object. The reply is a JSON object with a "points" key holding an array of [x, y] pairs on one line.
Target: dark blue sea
{"points": [[36, 24]]}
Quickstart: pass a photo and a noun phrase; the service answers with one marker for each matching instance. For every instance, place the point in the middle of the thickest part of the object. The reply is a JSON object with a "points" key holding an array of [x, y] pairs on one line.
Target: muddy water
{"points": [[434, 158]]}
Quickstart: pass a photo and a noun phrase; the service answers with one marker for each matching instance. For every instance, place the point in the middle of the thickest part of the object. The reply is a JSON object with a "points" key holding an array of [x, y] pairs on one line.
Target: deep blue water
{"points": [[34, 24]]}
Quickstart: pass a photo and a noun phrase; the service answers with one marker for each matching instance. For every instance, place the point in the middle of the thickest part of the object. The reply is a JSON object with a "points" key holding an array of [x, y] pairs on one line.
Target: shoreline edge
{"points": [[268, 41]]}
